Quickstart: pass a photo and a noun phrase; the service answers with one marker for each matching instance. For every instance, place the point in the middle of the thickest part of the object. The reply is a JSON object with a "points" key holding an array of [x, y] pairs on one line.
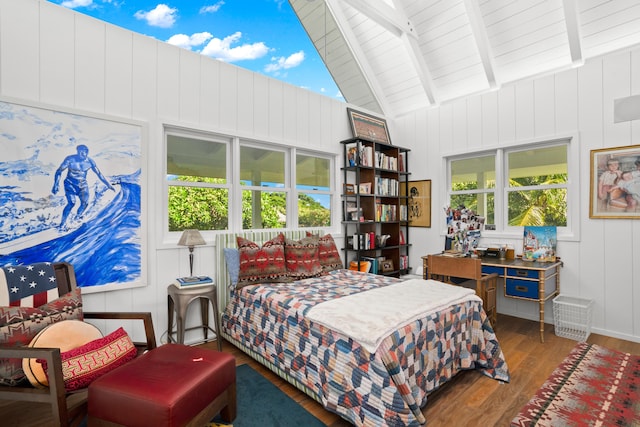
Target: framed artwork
{"points": [[386, 265], [539, 243], [418, 203], [72, 190], [615, 182], [368, 127]]}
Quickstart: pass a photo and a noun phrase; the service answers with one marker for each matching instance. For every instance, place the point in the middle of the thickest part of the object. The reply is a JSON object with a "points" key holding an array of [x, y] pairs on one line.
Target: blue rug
{"points": [[261, 403]]}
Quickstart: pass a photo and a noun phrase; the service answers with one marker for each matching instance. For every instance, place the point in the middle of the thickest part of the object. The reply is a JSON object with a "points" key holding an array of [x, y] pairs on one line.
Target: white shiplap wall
{"points": [[604, 263], [56, 57], [51, 56]]}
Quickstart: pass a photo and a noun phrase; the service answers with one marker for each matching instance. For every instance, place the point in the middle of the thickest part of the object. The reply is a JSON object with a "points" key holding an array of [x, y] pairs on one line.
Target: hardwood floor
{"points": [[470, 399]]}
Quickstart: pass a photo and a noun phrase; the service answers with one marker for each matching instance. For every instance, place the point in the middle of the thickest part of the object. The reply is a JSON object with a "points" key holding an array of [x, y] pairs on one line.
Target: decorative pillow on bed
{"points": [[232, 259], [261, 264], [301, 258], [86, 363], [328, 253], [18, 326]]}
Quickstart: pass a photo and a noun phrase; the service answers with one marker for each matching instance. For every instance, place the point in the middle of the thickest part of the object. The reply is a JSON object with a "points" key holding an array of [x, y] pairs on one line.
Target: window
{"points": [[313, 183], [516, 186], [198, 183], [264, 183], [204, 192]]}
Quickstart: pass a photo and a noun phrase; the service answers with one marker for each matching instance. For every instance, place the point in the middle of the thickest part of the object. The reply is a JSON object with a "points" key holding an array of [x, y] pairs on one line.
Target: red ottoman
{"points": [[171, 385]]}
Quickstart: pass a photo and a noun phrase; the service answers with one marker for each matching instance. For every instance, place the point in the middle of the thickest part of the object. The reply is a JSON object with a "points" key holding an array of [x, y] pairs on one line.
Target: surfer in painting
{"points": [[75, 183]]}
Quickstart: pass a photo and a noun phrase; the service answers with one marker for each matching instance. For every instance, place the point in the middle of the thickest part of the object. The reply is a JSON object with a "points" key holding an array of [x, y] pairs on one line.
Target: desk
{"points": [[530, 281]]}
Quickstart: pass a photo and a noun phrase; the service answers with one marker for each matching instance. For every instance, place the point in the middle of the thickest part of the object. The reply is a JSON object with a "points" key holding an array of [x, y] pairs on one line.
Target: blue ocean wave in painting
{"points": [[103, 250]]}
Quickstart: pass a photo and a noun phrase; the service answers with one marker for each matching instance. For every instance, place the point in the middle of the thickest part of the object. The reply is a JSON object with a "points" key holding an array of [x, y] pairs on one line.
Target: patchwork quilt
{"points": [[387, 387]]}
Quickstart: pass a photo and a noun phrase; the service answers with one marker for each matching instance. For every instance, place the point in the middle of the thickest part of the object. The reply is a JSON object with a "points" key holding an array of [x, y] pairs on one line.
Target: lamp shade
{"points": [[191, 238]]}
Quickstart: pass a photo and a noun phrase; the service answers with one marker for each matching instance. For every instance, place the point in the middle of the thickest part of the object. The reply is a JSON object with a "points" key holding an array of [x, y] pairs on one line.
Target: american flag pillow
{"points": [[29, 285]]}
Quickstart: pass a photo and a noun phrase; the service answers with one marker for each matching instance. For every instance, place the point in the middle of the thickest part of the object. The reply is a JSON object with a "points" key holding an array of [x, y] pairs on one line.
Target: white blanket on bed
{"points": [[369, 317]]}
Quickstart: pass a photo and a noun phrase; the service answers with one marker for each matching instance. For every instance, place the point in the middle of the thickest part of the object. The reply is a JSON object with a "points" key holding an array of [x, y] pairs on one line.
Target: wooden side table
{"points": [[178, 300]]}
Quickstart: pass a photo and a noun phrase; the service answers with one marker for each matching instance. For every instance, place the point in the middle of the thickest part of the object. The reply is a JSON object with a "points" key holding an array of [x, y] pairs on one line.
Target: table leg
{"points": [[541, 301]]}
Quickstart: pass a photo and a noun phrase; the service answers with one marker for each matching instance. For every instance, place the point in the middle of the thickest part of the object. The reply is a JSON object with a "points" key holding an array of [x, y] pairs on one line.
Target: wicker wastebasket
{"points": [[572, 317]]}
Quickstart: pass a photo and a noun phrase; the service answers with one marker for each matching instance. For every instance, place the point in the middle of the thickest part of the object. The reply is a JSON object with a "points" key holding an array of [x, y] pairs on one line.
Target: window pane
{"points": [[312, 173], [314, 210], [262, 168], [483, 204], [542, 166], [473, 174], [264, 209], [199, 208], [538, 207], [196, 158]]}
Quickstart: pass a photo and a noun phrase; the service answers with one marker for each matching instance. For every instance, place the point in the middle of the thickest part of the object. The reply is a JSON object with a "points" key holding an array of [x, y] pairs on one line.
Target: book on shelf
{"points": [[193, 281], [374, 263]]}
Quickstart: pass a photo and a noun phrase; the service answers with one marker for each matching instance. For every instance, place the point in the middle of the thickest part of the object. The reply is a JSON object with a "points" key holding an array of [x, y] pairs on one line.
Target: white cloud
{"points": [[162, 16], [211, 9], [283, 63], [222, 50], [72, 4], [187, 42]]}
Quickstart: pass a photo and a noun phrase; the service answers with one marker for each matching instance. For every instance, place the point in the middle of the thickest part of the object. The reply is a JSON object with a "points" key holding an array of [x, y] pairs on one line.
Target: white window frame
{"points": [[571, 232], [233, 179]]}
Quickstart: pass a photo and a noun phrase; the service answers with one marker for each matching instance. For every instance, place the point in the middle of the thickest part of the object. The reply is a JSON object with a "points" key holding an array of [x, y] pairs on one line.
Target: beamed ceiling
{"points": [[393, 57]]}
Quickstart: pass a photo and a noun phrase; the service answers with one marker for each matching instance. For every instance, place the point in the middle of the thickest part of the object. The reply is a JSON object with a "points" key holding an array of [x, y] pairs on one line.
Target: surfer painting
{"points": [[75, 184]]}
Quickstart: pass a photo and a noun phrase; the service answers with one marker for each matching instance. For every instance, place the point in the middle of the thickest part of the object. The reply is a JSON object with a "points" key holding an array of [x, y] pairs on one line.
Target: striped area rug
{"points": [[593, 386]]}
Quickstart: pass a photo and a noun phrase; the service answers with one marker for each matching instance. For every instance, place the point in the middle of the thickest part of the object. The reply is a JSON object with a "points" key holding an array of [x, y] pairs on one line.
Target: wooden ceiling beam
{"points": [[335, 8], [572, 21], [479, 30]]}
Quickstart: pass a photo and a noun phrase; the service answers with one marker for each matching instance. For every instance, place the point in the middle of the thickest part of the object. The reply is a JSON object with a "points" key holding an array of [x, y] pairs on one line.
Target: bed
{"points": [[369, 381]]}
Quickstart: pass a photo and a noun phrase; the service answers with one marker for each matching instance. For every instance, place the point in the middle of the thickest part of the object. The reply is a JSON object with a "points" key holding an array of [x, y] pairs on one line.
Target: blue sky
{"points": [[264, 36]]}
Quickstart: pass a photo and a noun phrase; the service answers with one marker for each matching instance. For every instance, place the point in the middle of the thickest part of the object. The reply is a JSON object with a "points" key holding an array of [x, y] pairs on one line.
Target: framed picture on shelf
{"points": [[365, 188], [368, 127], [386, 265], [615, 182]]}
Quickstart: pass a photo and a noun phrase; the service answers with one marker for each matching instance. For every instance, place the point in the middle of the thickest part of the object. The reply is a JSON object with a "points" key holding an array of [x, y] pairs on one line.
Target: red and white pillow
{"points": [[302, 258], [86, 363], [328, 253], [261, 264]]}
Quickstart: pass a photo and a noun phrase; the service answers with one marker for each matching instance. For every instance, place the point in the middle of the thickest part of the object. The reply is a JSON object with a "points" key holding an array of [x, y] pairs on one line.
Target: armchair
{"points": [[66, 409], [469, 270]]}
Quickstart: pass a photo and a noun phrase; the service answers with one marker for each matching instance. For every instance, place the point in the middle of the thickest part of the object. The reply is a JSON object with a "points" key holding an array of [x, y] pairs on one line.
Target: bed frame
{"points": [[228, 240]]}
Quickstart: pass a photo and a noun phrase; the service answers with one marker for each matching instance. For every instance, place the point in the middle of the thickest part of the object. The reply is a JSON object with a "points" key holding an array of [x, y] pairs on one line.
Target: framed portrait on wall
{"points": [[73, 190], [418, 203], [615, 182]]}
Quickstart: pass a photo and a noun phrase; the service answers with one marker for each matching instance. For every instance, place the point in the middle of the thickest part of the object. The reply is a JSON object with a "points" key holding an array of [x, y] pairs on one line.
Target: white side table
{"points": [[178, 300]]}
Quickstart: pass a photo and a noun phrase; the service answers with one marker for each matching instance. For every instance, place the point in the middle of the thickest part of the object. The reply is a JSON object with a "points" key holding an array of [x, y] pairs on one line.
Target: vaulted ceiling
{"points": [[396, 56]]}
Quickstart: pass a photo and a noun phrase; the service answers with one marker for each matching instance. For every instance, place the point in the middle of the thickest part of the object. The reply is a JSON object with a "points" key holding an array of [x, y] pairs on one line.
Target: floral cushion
{"points": [[328, 253], [261, 264], [301, 258], [84, 364], [18, 326]]}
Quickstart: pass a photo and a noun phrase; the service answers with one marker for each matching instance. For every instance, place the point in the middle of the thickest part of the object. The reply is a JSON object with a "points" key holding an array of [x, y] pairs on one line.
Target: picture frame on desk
{"points": [[368, 127], [615, 183]]}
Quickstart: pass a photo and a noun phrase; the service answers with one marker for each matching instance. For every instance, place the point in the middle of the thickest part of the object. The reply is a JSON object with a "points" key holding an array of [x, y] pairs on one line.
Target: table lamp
{"points": [[191, 238]]}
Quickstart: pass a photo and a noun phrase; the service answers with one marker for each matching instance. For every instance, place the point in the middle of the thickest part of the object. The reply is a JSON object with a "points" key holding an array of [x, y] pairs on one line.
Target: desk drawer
{"points": [[522, 288], [490, 269], [523, 272]]}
